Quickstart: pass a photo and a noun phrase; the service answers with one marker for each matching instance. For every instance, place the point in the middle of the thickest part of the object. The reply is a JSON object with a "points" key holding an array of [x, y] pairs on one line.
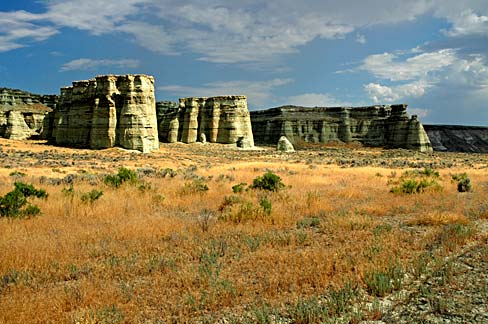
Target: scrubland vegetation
{"points": [[243, 239]]}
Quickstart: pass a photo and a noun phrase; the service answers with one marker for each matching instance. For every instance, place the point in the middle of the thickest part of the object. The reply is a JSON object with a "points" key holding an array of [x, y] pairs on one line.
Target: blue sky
{"points": [[431, 54]]}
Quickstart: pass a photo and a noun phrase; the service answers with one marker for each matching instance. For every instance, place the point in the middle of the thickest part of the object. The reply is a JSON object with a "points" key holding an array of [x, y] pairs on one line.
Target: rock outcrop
{"points": [[222, 119], [383, 126], [456, 138], [284, 145], [22, 113], [110, 110]]}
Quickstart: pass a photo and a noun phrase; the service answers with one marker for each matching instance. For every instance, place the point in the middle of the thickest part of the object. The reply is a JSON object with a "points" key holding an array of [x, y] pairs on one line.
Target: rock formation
{"points": [[456, 138], [284, 145], [22, 113], [222, 119], [107, 111], [385, 126]]}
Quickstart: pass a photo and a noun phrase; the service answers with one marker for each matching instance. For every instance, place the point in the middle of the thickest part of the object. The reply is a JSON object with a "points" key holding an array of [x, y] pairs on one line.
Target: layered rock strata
{"points": [[383, 126], [22, 113], [110, 110], [223, 119], [457, 138]]}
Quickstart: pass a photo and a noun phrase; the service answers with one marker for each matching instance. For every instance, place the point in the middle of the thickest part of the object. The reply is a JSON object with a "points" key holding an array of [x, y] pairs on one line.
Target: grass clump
{"points": [[269, 181], [195, 186], [91, 196], [412, 186], [15, 204], [123, 175], [412, 182], [308, 222]]}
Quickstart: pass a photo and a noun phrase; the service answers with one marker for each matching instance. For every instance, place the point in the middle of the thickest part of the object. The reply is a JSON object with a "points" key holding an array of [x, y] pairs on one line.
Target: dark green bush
{"points": [[269, 181], [15, 204], [464, 185], [123, 175]]}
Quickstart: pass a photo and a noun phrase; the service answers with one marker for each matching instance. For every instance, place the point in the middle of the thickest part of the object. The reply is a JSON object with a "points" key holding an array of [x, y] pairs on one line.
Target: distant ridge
{"points": [[458, 138]]}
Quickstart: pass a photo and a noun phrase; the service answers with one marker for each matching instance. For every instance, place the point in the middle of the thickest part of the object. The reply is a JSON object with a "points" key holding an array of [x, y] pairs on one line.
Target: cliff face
{"points": [[454, 138], [107, 111], [22, 113], [222, 119], [387, 126]]}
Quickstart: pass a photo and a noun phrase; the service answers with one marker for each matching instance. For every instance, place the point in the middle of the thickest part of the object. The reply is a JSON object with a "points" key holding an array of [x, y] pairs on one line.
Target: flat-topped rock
{"points": [[383, 126], [108, 111], [222, 119]]}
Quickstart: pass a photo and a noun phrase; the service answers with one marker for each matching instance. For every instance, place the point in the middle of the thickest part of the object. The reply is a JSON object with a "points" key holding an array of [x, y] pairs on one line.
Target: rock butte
{"points": [[384, 126], [223, 119], [121, 110], [110, 110], [22, 113]]}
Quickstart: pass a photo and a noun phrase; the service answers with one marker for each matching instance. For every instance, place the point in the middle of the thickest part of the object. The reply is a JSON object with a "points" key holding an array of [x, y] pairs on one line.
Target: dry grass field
{"points": [[179, 245]]}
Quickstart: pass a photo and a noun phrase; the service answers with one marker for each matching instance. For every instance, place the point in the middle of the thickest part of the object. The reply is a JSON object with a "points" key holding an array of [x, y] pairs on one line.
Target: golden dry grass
{"points": [[168, 254]]}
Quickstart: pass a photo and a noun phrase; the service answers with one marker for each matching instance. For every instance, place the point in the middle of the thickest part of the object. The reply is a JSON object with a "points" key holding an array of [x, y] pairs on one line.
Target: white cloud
{"points": [[316, 100], [361, 39], [236, 31], [97, 17], [471, 73], [381, 93], [18, 26], [468, 23], [149, 36], [388, 66], [90, 64], [258, 93]]}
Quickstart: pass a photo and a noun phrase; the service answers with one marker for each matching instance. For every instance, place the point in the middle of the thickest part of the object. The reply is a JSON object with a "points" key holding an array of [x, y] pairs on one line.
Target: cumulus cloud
{"points": [[389, 66], [259, 93], [90, 64], [468, 23], [389, 94], [316, 100], [450, 70]]}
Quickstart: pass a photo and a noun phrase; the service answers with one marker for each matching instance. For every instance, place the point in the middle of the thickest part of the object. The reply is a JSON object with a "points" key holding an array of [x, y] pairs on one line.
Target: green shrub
{"points": [[464, 185], [411, 186], [265, 203], [340, 300], [269, 181], [429, 172], [168, 172], [308, 222], [379, 283], [123, 175], [15, 204], [91, 196], [238, 188], [17, 174], [195, 186], [307, 311], [459, 176]]}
